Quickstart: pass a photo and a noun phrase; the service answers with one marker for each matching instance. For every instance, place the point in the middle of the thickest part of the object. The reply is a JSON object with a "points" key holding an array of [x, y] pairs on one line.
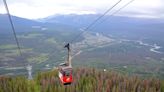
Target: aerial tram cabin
{"points": [[65, 74], [65, 69]]}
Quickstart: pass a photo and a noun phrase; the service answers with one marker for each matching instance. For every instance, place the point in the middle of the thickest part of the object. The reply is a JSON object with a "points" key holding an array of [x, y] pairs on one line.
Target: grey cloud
{"points": [[98, 7]]}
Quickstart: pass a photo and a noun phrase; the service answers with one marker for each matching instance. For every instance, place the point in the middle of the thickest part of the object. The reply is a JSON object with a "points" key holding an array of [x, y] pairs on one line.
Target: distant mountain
{"points": [[26, 25], [115, 25], [75, 20], [106, 21], [20, 24], [17, 20]]}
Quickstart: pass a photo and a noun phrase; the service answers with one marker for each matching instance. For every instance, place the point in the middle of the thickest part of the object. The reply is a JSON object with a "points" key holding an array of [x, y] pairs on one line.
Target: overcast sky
{"points": [[34, 9]]}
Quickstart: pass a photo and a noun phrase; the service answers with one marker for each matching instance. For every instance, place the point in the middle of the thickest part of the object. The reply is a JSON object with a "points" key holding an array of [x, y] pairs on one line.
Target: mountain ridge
{"points": [[110, 24]]}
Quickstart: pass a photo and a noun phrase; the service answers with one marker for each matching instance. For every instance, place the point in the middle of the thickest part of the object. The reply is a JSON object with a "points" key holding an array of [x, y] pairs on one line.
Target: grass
{"points": [[14, 52], [31, 35], [51, 40], [8, 46], [38, 59], [85, 80]]}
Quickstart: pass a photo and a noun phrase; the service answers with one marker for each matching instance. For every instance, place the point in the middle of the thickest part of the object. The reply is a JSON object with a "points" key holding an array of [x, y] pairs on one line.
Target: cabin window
{"points": [[67, 73]]}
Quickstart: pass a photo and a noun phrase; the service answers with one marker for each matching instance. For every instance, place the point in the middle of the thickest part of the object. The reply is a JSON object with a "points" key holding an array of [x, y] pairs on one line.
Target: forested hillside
{"points": [[85, 80]]}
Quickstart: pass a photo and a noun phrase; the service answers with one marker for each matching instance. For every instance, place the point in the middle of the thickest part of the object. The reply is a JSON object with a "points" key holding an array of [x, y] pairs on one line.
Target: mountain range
{"points": [[116, 25]]}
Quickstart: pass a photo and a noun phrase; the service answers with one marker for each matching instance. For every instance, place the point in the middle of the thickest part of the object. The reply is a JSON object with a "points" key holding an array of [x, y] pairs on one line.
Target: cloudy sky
{"points": [[34, 9]]}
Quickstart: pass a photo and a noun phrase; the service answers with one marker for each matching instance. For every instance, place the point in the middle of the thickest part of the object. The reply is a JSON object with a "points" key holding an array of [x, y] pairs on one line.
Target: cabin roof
{"points": [[65, 67]]}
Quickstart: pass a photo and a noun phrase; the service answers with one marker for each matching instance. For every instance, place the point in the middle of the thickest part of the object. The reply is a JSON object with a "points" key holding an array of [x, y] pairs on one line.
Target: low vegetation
{"points": [[39, 59], [85, 80]]}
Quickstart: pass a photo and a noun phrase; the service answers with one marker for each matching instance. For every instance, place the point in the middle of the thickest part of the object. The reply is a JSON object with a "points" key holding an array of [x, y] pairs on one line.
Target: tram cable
{"points": [[95, 21], [12, 26]]}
